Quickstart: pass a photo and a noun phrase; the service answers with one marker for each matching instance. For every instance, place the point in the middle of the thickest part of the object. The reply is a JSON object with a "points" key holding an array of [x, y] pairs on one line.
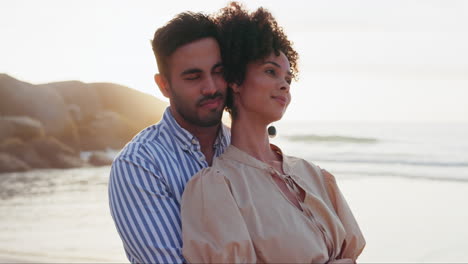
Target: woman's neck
{"points": [[250, 135]]}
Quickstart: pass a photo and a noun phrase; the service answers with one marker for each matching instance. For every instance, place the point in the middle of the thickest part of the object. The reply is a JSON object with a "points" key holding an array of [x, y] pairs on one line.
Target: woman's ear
{"points": [[235, 87]]}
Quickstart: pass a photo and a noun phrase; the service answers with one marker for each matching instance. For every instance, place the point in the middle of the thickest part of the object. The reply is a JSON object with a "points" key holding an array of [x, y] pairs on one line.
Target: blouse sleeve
{"points": [[354, 240], [213, 230]]}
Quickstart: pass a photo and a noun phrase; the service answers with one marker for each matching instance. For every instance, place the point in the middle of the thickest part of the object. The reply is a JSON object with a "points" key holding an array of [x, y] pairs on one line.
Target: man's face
{"points": [[197, 90]]}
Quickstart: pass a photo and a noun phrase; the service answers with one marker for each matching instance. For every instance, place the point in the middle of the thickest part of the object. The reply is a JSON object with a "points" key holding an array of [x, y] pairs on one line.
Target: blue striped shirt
{"points": [[146, 184]]}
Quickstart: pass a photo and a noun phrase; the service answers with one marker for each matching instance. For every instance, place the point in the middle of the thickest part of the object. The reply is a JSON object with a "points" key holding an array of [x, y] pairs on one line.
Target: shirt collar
{"points": [[185, 138], [238, 155], [179, 133]]}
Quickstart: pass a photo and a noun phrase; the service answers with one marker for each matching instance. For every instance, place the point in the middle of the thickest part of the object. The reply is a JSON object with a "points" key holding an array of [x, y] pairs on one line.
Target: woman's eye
{"points": [[270, 71]]}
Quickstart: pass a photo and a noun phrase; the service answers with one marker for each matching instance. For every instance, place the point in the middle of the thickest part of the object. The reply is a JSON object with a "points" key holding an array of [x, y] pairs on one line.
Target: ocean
{"points": [[431, 151], [57, 215]]}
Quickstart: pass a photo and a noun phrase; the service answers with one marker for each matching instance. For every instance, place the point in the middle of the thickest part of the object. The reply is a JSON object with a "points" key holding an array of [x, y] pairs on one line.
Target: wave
{"points": [[399, 174], [332, 138], [398, 162]]}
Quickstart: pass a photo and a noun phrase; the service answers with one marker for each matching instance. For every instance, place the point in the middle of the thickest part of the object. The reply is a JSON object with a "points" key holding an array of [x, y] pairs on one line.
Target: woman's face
{"points": [[264, 94]]}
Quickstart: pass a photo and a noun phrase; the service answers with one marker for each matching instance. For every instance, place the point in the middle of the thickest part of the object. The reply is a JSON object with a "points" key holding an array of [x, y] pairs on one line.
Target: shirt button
{"points": [[201, 158], [194, 141]]}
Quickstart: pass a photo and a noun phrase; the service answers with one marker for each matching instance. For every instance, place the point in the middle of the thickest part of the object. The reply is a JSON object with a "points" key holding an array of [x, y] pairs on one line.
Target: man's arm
{"points": [[146, 214]]}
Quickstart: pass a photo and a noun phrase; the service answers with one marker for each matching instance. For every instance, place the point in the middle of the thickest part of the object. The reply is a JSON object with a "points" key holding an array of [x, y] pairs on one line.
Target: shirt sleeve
{"points": [[145, 213], [213, 229], [354, 240]]}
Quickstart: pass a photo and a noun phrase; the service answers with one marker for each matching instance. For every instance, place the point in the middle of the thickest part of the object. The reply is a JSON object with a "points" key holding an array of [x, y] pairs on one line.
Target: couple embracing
{"points": [[189, 189]]}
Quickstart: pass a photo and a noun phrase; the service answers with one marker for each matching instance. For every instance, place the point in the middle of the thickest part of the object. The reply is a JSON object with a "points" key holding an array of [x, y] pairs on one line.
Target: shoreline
{"points": [[402, 219]]}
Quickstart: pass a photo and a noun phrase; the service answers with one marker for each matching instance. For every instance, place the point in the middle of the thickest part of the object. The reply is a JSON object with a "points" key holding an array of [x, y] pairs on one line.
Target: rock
{"points": [[75, 113], [50, 145], [9, 163], [108, 115], [57, 154], [23, 151], [107, 130], [140, 109], [42, 103], [83, 116], [45, 152], [22, 127], [82, 99], [63, 161], [100, 159]]}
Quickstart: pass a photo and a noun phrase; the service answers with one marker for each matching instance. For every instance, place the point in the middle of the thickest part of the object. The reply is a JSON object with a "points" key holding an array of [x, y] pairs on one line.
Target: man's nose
{"points": [[209, 87]]}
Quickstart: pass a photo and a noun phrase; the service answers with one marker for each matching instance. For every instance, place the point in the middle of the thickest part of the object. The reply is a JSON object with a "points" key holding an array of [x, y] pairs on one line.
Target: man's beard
{"points": [[191, 117]]}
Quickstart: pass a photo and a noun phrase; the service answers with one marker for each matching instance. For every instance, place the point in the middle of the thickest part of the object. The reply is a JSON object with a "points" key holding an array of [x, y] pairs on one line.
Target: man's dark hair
{"points": [[182, 29], [247, 37]]}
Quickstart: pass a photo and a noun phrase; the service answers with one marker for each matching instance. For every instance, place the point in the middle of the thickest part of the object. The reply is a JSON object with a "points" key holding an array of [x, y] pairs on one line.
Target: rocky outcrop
{"points": [[22, 127], [83, 101], [9, 163], [106, 129], [58, 154], [41, 152], [140, 109], [24, 152], [48, 125], [100, 158], [41, 103]]}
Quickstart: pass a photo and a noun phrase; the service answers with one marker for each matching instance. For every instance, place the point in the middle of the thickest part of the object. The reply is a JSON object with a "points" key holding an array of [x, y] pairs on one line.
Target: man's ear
{"points": [[163, 84]]}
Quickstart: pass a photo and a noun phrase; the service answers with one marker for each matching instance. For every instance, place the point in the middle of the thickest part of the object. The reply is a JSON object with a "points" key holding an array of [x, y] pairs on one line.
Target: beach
{"points": [[57, 216], [403, 220], [410, 220], [407, 185]]}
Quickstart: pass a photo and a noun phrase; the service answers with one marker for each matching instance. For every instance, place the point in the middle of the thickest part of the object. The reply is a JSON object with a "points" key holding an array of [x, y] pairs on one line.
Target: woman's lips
{"points": [[280, 99]]}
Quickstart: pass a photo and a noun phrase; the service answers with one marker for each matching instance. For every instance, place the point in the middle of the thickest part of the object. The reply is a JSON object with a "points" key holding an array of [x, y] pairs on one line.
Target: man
{"points": [[149, 175]]}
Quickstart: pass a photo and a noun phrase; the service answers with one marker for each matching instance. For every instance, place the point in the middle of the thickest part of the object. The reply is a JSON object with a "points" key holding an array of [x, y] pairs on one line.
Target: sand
{"points": [[406, 220], [403, 220]]}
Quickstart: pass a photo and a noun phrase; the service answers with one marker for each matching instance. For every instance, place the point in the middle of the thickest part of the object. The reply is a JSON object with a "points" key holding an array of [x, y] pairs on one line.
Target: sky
{"points": [[370, 60]]}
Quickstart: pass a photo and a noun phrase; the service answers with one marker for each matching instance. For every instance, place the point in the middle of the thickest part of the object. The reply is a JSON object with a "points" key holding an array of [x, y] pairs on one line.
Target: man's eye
{"points": [[218, 70], [191, 77], [288, 80]]}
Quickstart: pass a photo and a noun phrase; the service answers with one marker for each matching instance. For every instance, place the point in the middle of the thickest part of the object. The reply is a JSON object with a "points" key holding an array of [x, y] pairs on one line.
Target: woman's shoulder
{"points": [[297, 163], [300, 165]]}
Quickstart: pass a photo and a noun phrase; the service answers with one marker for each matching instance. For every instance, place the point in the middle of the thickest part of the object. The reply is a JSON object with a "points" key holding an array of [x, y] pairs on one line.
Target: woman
{"points": [[256, 204]]}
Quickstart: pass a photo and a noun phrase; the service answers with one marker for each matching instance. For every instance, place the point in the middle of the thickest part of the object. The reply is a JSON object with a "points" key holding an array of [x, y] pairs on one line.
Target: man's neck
{"points": [[206, 136]]}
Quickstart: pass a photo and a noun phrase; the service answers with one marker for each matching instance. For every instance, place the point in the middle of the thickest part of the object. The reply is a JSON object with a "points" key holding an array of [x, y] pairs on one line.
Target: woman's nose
{"points": [[285, 86]]}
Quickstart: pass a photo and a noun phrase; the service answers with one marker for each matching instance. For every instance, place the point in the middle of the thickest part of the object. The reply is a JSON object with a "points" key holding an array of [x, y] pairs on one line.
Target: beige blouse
{"points": [[234, 212]]}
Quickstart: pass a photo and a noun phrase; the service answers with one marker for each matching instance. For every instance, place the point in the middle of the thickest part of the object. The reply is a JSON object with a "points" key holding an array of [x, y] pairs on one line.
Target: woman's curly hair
{"points": [[247, 37]]}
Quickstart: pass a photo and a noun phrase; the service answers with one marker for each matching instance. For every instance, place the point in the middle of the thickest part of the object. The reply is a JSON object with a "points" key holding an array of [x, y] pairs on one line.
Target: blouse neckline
{"points": [[234, 153]]}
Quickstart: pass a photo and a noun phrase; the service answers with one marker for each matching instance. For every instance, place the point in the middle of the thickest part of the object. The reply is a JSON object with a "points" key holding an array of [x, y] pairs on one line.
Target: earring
{"points": [[272, 131]]}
